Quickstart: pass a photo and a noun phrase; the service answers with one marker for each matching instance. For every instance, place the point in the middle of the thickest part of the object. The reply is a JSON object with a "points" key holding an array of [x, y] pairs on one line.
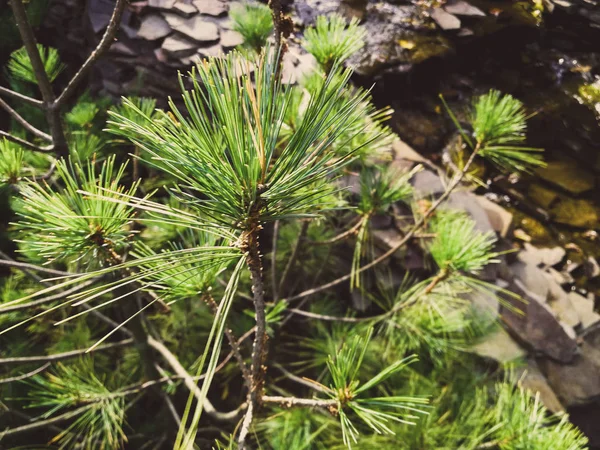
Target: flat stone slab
{"points": [[195, 28], [154, 27], [213, 8], [445, 20], [178, 47], [461, 8], [231, 39], [567, 175]]}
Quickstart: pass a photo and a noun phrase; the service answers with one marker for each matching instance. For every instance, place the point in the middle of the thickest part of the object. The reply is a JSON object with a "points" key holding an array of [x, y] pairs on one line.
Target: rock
{"points": [[577, 383], [578, 213], [445, 20], [184, 9], [153, 27], [565, 311], [211, 7], [196, 28], [288, 71], [568, 175], [584, 308], [536, 327], [427, 184], [211, 51], [541, 195], [532, 280], [592, 267], [560, 277], [405, 152], [499, 346], [541, 256], [461, 8], [231, 39], [500, 219], [531, 378], [178, 47], [464, 32], [162, 4], [465, 201], [485, 304]]}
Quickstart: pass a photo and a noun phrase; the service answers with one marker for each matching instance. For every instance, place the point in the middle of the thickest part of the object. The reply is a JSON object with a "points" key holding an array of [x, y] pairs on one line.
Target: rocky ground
{"points": [[415, 50]]}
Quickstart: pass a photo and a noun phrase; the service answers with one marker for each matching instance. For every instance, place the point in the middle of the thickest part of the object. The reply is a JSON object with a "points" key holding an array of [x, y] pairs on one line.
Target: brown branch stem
{"points": [[15, 115]]}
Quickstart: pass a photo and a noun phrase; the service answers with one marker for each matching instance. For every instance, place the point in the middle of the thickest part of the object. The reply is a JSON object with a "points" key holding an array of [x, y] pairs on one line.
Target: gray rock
{"points": [[211, 51], [577, 383], [211, 7], [153, 27], [584, 307], [404, 151], [500, 219], [231, 39], [161, 4], [427, 184], [531, 378], [564, 310], [560, 277], [541, 256], [532, 280], [196, 28], [461, 8], [499, 346], [568, 175], [445, 20], [536, 327], [184, 9], [178, 47], [466, 201]]}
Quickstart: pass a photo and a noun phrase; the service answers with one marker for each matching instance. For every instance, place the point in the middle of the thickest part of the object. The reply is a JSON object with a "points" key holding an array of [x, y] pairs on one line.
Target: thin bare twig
{"points": [[64, 355], [28, 145], [33, 130], [43, 423], [103, 45], [27, 266], [21, 97], [274, 260], [52, 114], [26, 375], [289, 402], [340, 237], [294, 256], [409, 235]]}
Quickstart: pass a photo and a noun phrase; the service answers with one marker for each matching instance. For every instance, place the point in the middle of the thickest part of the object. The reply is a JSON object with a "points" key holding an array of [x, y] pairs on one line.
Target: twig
{"points": [[33, 130], [259, 350], [27, 266], [294, 256], [235, 348], [21, 97], [416, 227], [26, 144], [42, 423], [289, 402], [52, 113], [48, 173], [340, 236], [274, 261], [64, 355], [303, 381], [26, 375], [103, 45], [188, 380], [327, 318]]}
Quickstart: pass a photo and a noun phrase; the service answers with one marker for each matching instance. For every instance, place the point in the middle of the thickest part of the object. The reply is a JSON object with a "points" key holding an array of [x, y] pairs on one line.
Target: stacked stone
{"points": [[158, 38]]}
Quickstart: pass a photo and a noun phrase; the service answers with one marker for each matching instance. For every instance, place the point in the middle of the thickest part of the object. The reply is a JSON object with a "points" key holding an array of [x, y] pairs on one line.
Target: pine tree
{"points": [[175, 264]]}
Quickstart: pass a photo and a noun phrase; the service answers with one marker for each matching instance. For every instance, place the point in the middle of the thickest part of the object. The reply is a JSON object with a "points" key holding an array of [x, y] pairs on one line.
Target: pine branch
{"points": [[26, 375], [64, 355], [343, 235], [409, 235], [21, 97], [43, 423], [26, 266], [188, 380], [103, 45], [52, 114], [290, 402], [27, 144], [15, 115]]}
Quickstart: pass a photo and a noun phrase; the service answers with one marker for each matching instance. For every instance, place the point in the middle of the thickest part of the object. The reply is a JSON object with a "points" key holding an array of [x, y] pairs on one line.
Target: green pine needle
{"points": [[69, 226], [333, 40], [499, 126], [11, 162], [254, 22], [19, 64], [458, 246]]}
